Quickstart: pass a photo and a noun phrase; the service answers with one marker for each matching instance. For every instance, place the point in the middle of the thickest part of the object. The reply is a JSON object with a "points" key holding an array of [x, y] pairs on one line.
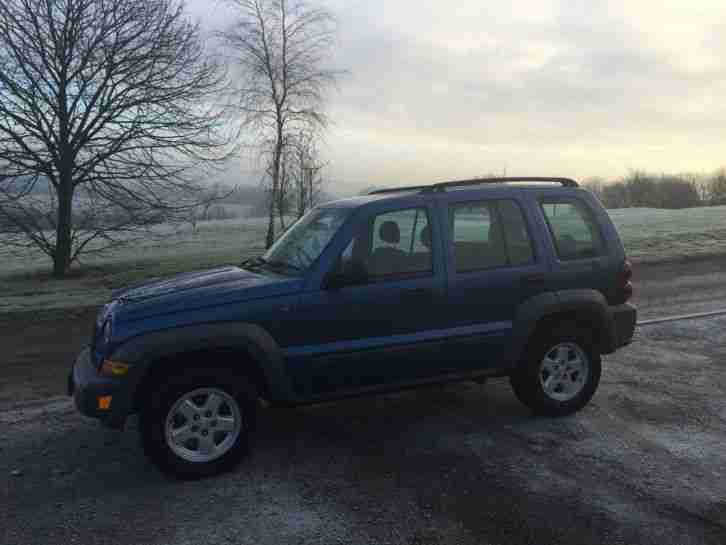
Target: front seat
{"points": [[388, 259], [567, 246], [496, 255], [425, 237]]}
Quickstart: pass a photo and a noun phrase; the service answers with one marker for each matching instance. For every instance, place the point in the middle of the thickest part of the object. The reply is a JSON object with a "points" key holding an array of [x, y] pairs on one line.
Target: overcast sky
{"points": [[459, 88]]}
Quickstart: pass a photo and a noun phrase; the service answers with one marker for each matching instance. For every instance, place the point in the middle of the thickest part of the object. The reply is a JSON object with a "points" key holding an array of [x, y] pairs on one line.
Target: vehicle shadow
{"points": [[378, 431]]}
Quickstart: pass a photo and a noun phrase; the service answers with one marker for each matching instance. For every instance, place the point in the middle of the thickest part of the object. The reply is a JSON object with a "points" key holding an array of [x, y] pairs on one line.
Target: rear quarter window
{"points": [[574, 230]]}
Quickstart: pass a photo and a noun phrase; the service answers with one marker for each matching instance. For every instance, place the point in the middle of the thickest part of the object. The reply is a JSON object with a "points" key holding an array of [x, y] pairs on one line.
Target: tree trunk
{"points": [[281, 190], [276, 156], [302, 203], [270, 239], [301, 197], [311, 188], [62, 255], [271, 222]]}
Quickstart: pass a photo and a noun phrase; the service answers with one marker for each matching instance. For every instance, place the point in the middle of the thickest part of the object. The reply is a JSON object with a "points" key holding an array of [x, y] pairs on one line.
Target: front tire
{"points": [[560, 374], [200, 424]]}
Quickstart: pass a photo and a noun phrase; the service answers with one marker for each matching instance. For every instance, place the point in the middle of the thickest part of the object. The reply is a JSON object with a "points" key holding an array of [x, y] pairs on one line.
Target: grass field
{"points": [[650, 234], [25, 284]]}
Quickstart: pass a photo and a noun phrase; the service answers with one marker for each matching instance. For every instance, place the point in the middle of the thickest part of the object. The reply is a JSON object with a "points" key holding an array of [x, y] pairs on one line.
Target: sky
{"points": [[452, 89]]}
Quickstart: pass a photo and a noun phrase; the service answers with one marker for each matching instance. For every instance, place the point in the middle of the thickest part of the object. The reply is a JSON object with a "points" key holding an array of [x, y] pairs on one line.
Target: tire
{"points": [[199, 424], [560, 373]]}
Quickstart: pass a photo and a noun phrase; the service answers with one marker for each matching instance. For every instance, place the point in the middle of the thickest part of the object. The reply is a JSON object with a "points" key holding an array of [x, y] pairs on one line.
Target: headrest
{"points": [[425, 236], [495, 233], [389, 232]]}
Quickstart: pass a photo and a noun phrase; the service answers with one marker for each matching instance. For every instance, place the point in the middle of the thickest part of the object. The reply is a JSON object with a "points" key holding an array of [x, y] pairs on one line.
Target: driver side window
{"points": [[391, 246]]}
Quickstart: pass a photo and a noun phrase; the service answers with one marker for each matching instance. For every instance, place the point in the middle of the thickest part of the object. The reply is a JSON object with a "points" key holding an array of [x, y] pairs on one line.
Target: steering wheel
{"points": [[301, 252]]}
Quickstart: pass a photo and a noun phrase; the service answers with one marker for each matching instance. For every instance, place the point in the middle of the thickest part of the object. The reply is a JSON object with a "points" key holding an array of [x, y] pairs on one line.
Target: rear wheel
{"points": [[199, 425], [560, 375]]}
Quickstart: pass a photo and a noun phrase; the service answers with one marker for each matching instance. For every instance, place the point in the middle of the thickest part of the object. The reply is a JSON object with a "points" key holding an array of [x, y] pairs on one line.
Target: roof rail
{"points": [[441, 186], [404, 188], [565, 182]]}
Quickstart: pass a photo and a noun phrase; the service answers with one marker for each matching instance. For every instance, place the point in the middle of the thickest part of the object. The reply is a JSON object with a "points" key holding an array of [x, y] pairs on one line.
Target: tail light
{"points": [[624, 284]]}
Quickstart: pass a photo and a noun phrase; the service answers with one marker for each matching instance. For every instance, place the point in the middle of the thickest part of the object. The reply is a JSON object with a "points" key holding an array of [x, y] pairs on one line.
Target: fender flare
{"points": [[143, 351], [535, 309]]}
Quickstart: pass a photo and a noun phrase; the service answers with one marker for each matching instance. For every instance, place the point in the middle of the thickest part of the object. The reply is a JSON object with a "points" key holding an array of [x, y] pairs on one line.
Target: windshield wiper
{"points": [[253, 262], [283, 264]]}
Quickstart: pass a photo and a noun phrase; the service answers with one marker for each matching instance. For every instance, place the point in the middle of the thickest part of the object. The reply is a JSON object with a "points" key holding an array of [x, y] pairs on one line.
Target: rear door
{"points": [[493, 267]]}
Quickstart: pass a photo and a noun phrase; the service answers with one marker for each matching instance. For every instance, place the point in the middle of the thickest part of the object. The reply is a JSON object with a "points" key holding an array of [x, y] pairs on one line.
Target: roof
{"points": [[354, 202]]}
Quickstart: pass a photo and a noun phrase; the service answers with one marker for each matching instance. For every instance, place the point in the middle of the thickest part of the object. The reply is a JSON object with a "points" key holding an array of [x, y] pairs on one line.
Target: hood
{"points": [[200, 289]]}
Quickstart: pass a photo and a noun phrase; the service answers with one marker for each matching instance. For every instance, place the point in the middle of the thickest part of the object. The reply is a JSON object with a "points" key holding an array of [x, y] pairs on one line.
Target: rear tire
{"points": [[560, 373], [199, 424]]}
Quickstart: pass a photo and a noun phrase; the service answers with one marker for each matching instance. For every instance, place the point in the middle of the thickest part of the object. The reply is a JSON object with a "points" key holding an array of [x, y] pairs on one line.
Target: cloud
{"points": [[578, 88]]}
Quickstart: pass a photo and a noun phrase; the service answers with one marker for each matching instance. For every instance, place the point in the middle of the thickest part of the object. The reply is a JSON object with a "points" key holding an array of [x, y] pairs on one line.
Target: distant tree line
{"points": [[641, 189]]}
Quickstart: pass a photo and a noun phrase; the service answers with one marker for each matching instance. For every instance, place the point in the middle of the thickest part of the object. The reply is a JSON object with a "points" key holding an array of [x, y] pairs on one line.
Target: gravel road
{"points": [[643, 463]]}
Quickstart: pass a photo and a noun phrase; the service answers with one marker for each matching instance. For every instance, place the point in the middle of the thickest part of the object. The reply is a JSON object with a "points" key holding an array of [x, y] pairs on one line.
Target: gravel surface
{"points": [[643, 463]]}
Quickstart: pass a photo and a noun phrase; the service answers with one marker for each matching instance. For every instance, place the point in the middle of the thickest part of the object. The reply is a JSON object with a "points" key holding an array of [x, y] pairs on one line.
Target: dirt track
{"points": [[643, 463]]}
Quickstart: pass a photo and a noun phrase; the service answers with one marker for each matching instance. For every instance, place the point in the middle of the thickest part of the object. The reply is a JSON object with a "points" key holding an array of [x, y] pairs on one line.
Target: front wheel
{"points": [[199, 425], [560, 375]]}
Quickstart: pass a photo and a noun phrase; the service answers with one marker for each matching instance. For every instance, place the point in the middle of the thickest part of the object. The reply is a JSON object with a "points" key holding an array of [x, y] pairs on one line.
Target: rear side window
{"points": [[573, 228], [488, 235]]}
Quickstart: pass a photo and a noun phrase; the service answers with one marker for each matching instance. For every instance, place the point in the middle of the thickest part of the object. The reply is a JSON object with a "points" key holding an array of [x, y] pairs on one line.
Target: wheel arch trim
{"points": [[145, 351], [534, 310]]}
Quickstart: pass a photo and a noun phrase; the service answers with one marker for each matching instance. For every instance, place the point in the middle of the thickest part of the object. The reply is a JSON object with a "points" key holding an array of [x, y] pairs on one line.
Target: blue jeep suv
{"points": [[518, 277]]}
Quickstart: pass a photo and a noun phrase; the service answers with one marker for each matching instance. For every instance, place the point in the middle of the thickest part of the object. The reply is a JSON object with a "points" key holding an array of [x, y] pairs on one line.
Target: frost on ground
{"points": [[26, 284], [465, 463], [657, 234]]}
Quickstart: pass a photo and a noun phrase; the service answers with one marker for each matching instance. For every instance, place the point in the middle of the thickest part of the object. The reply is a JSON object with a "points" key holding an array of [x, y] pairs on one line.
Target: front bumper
{"points": [[624, 318], [86, 386]]}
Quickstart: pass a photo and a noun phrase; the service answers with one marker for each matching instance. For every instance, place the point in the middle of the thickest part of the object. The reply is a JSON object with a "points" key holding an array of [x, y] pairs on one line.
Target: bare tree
{"points": [[642, 189], [595, 186], [308, 181], [108, 102], [282, 47], [282, 196], [615, 195], [209, 204], [677, 191], [717, 188], [277, 197]]}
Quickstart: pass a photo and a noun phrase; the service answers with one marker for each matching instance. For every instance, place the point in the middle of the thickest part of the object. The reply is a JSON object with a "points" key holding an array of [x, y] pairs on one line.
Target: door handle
{"points": [[417, 294], [536, 279]]}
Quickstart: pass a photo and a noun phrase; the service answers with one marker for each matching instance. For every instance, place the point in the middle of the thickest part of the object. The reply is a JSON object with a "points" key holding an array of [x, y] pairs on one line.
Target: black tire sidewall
{"points": [[157, 407], [527, 384]]}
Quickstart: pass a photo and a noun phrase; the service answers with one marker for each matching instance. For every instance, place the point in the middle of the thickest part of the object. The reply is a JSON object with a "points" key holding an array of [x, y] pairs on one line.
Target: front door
{"points": [[382, 330]]}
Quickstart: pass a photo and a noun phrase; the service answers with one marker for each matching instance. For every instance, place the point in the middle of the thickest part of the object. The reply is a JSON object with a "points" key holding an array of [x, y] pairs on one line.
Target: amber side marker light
{"points": [[114, 368], [104, 403]]}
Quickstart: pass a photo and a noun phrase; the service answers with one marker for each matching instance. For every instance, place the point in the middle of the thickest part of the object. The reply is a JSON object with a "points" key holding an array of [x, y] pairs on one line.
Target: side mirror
{"points": [[353, 274]]}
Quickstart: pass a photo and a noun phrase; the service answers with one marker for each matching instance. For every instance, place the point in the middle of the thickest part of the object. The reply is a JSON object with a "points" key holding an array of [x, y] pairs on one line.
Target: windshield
{"points": [[303, 243]]}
